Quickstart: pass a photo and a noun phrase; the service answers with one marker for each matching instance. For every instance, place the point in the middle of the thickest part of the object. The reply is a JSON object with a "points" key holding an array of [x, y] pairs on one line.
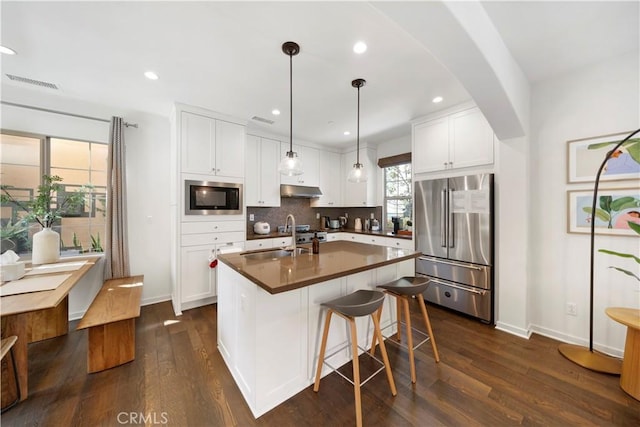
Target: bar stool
{"points": [[357, 304], [6, 346], [402, 289]]}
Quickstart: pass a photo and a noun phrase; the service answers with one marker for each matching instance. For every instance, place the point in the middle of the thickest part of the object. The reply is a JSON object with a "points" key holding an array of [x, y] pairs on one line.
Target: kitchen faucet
{"points": [[293, 233]]}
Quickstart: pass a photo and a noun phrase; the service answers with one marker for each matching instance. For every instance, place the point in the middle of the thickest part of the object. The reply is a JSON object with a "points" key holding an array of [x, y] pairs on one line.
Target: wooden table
{"points": [[630, 376], [36, 316]]}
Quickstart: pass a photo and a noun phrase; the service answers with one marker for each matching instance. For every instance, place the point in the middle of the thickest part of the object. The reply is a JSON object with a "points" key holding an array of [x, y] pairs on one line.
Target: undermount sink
{"points": [[275, 254]]}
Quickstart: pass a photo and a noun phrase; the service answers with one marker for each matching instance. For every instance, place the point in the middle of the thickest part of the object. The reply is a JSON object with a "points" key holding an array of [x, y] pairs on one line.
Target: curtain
{"points": [[116, 243]]}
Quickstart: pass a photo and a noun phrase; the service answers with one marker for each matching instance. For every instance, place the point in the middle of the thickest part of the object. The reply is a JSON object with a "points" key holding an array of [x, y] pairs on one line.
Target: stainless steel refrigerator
{"points": [[454, 231]]}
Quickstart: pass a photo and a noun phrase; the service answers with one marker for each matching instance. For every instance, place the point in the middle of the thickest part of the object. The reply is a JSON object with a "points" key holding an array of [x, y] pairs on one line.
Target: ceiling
{"points": [[227, 57]]}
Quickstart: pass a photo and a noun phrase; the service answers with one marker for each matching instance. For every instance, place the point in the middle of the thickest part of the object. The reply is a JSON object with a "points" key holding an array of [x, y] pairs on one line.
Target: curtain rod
{"points": [[12, 104]]}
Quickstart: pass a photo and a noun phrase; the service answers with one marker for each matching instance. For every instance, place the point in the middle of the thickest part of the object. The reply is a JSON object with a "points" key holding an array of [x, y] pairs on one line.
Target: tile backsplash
{"points": [[305, 214]]}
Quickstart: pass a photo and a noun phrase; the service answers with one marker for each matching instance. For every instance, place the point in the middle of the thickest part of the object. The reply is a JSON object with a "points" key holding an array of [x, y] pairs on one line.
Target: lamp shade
{"points": [[357, 174], [290, 164]]}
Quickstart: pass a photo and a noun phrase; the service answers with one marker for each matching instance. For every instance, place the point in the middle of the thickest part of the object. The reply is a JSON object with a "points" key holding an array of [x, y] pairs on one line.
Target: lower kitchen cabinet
{"points": [[197, 276]]}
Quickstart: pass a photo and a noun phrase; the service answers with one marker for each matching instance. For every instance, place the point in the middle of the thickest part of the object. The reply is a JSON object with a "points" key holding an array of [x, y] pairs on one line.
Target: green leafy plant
{"points": [[635, 227], [13, 234], [40, 209], [96, 245]]}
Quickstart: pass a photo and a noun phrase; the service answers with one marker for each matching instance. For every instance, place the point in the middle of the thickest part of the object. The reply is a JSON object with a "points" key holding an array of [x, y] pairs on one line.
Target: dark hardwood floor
{"points": [[485, 378]]}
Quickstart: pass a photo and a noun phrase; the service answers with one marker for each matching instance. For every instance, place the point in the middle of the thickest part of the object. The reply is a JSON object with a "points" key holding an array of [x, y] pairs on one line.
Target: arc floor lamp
{"points": [[587, 357]]}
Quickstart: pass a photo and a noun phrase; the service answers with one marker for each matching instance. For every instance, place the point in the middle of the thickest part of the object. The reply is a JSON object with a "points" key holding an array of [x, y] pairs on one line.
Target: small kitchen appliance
{"points": [[261, 227], [358, 224]]}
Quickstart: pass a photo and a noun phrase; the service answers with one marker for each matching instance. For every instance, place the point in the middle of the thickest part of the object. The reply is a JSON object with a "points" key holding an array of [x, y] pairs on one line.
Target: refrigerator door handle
{"points": [[451, 230], [456, 264], [455, 286], [443, 218]]}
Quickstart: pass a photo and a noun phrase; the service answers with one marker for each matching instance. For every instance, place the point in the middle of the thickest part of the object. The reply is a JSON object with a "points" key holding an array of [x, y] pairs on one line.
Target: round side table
{"points": [[630, 376]]}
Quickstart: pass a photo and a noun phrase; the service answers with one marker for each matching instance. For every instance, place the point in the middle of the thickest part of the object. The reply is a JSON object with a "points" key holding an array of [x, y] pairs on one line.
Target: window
{"points": [[398, 200], [24, 159]]}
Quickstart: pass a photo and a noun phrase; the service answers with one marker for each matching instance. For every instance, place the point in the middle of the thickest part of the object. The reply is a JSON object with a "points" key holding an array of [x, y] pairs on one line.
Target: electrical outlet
{"points": [[317, 215], [251, 217], [572, 309], [372, 216]]}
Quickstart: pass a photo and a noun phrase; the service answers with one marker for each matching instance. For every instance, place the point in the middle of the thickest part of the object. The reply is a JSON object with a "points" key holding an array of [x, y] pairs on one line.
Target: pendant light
{"points": [[290, 164], [358, 173]]}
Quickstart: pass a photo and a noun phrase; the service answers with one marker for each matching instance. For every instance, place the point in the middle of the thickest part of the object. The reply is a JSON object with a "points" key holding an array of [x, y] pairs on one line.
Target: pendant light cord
{"points": [[291, 104], [358, 131]]}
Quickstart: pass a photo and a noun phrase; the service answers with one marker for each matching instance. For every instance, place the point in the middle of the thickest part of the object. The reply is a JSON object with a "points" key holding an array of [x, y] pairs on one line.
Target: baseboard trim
{"points": [[571, 339], [513, 330]]}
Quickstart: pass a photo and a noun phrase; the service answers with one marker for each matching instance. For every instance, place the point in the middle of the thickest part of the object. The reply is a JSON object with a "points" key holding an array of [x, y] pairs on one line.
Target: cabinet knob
{"points": [[450, 163], [215, 238]]}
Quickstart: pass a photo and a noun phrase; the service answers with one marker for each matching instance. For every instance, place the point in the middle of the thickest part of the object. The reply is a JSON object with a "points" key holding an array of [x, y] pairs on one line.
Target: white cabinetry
{"points": [[206, 146], [458, 140], [210, 146], [378, 240], [310, 159], [360, 194], [262, 182], [331, 181], [201, 243], [276, 242]]}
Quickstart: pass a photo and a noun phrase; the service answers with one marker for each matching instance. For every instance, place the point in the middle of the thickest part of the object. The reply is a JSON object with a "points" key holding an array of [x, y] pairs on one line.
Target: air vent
{"points": [[262, 119], [32, 82]]}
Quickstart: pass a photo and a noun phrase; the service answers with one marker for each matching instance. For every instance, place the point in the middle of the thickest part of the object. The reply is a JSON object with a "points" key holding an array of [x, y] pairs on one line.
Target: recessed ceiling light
{"points": [[7, 51], [151, 75], [275, 112], [436, 99], [360, 47], [346, 132]]}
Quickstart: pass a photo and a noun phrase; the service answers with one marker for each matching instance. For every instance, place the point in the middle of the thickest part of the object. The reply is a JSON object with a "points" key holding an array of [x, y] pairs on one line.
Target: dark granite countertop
{"points": [[336, 259]]}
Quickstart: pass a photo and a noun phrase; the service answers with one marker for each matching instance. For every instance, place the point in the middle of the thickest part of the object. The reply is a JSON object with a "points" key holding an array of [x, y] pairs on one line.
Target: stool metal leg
{"points": [[427, 324], [383, 350], [356, 371], [323, 347]]}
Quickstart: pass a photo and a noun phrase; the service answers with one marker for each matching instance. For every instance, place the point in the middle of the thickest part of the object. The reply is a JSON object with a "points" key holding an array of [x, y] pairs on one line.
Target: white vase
{"points": [[46, 246]]}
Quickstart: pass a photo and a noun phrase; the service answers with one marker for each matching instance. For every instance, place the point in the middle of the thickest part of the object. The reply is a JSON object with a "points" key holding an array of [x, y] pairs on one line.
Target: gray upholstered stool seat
{"points": [[357, 304], [408, 285], [402, 289]]}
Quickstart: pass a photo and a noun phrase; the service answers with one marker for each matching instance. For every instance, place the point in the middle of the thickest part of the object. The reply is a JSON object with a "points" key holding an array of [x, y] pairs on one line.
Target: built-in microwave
{"points": [[212, 198]]}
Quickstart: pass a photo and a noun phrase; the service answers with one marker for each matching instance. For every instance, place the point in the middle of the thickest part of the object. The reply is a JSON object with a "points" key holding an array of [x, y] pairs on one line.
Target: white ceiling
{"points": [[227, 57]]}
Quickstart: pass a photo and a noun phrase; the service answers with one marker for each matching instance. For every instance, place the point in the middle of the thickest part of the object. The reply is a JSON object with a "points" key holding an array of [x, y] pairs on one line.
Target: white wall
{"points": [[597, 100], [147, 156]]}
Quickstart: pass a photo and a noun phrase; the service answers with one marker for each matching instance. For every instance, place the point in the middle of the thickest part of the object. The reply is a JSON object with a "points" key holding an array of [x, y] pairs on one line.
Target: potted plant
{"points": [[46, 243]]}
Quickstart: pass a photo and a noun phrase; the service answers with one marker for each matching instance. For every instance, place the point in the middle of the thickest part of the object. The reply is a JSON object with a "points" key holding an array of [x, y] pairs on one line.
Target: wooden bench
{"points": [[111, 322]]}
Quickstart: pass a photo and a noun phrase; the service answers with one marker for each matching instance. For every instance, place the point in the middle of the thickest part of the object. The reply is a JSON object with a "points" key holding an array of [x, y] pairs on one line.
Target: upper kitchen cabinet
{"points": [[330, 181], [211, 146], [457, 140], [262, 181], [360, 194], [310, 158]]}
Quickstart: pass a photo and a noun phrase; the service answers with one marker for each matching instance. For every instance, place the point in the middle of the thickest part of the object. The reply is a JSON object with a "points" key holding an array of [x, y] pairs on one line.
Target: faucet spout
{"points": [[293, 233]]}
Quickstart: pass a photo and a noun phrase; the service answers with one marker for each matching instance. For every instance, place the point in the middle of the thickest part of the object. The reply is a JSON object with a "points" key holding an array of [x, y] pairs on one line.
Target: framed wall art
{"points": [[614, 209], [584, 157]]}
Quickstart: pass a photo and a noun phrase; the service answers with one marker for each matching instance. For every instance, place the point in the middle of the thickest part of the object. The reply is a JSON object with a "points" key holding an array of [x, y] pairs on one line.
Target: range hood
{"points": [[299, 191]]}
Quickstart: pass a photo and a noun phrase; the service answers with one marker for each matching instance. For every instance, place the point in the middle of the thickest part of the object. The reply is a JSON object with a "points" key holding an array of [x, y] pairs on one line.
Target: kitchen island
{"points": [[270, 315]]}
